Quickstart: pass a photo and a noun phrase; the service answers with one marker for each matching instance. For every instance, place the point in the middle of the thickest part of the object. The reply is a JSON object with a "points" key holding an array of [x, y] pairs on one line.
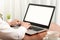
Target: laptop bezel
{"points": [[36, 24]]}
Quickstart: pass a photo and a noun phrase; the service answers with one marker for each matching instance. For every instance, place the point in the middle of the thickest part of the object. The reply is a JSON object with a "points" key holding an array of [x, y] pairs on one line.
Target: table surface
{"points": [[40, 36]]}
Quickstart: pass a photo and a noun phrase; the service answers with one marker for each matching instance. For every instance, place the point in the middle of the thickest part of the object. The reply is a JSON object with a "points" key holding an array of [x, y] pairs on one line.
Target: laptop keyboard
{"points": [[35, 28]]}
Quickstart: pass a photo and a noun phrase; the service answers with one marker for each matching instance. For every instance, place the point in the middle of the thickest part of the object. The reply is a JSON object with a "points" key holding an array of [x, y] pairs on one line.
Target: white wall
{"points": [[17, 10], [53, 2], [58, 12]]}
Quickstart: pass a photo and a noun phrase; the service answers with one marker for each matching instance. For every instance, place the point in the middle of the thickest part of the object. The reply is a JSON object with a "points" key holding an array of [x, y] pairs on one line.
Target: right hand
{"points": [[15, 22], [25, 24]]}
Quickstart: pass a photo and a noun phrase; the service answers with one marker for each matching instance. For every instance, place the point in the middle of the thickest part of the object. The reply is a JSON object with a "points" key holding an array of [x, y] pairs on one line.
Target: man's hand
{"points": [[25, 24], [15, 22], [18, 23]]}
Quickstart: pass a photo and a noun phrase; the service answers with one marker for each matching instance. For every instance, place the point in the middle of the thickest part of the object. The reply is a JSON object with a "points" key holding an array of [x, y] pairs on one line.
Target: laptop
{"points": [[39, 16]]}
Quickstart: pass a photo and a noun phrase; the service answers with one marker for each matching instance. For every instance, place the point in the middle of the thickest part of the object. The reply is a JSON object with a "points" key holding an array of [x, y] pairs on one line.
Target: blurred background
{"points": [[17, 8]]}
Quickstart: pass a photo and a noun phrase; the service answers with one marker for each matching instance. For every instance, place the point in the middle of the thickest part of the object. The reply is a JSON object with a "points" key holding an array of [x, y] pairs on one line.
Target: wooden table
{"points": [[38, 36], [41, 35]]}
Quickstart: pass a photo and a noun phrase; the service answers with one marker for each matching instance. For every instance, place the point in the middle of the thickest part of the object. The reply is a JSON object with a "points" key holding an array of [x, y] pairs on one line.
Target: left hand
{"points": [[15, 22], [25, 24]]}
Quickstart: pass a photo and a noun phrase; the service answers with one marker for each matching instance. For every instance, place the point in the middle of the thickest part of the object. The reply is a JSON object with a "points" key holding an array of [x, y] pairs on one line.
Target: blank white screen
{"points": [[39, 14]]}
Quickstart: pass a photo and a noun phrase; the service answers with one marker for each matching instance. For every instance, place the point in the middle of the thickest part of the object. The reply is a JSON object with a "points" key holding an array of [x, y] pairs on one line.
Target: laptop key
{"points": [[35, 28]]}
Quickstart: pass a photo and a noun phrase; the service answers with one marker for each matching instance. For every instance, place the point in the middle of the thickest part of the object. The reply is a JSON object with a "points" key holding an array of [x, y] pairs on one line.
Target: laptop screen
{"points": [[39, 14]]}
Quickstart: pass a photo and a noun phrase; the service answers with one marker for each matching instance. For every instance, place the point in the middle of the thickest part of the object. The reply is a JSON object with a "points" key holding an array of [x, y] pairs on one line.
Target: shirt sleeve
{"points": [[21, 32], [11, 32]]}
